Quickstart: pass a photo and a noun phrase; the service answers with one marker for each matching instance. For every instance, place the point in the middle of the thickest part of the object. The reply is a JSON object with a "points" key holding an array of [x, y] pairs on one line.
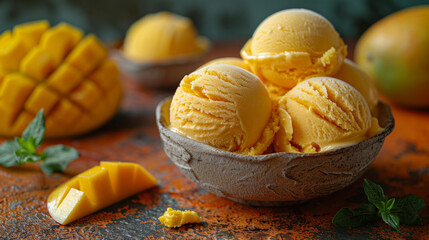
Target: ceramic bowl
{"points": [[272, 179], [159, 75]]}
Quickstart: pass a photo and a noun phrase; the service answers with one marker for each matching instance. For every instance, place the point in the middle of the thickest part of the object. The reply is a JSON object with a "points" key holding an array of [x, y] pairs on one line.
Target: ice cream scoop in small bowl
{"points": [[272, 179], [161, 48]]}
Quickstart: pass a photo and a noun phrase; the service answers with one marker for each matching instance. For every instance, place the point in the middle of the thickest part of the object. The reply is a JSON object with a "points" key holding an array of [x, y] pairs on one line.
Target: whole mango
{"points": [[59, 70], [395, 53]]}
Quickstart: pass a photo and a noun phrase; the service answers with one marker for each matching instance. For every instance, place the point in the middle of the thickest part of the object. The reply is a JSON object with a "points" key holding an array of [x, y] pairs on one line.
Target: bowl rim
{"points": [[390, 124]]}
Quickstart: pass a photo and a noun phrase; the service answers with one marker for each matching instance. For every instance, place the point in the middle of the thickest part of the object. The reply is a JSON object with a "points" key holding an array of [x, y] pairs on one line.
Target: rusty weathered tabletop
{"points": [[402, 167]]}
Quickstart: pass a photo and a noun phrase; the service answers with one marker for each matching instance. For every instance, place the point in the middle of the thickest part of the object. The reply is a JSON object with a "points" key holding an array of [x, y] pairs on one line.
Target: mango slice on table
{"points": [[60, 70], [97, 188]]}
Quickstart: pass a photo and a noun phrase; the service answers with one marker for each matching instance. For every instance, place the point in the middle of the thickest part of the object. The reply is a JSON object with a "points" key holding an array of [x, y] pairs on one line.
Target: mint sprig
{"points": [[393, 211], [23, 149]]}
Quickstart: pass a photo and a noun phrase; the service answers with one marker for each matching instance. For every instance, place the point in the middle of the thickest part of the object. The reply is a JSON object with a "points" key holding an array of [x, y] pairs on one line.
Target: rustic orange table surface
{"points": [[402, 167]]}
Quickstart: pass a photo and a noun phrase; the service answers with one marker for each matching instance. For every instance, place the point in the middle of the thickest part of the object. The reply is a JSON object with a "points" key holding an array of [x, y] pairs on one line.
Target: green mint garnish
{"points": [[393, 211], [23, 149]]}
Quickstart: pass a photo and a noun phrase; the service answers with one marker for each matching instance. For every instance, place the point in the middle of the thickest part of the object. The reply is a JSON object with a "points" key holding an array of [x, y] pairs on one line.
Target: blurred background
{"points": [[220, 20]]}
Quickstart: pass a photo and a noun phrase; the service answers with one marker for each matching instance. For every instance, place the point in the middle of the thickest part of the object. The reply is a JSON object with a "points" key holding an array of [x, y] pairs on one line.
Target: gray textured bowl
{"points": [[273, 179], [159, 75]]}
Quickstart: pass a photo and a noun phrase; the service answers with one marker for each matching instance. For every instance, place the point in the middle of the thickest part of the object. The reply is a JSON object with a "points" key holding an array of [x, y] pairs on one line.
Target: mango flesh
{"points": [[395, 53], [97, 188], [60, 70], [177, 218]]}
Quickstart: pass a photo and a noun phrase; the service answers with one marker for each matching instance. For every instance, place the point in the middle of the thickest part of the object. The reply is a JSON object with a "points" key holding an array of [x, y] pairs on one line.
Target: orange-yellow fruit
{"points": [[395, 53], [59, 70], [97, 188]]}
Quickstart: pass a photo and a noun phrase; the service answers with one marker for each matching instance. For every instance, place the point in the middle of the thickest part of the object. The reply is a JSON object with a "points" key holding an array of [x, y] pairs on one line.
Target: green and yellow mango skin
{"points": [[395, 53]]}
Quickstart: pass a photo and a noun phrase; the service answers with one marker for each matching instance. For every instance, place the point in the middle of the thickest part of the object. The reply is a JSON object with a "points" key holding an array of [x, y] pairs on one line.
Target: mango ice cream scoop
{"points": [[229, 61], [352, 74], [226, 107], [323, 113], [161, 37], [293, 45]]}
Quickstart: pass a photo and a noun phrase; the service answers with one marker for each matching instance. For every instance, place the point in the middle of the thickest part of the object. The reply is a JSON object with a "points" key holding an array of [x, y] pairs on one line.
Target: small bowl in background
{"points": [[158, 75], [272, 179]]}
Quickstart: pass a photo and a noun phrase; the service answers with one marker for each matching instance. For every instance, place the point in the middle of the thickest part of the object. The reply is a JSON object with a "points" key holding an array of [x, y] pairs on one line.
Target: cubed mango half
{"points": [[59, 70]]}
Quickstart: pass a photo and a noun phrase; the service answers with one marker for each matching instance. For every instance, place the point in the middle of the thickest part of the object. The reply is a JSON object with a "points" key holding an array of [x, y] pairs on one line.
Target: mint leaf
{"points": [[410, 203], [57, 158], [410, 219], [26, 145], [393, 211], [24, 149], [7, 154], [29, 158], [390, 204], [36, 129], [407, 208], [391, 219], [346, 217], [27, 152], [375, 194], [364, 214], [368, 209]]}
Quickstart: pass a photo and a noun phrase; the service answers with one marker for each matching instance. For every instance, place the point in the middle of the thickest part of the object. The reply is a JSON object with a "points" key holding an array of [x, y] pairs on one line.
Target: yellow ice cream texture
{"points": [[230, 61], [162, 37], [225, 107], [323, 113], [352, 74], [293, 45]]}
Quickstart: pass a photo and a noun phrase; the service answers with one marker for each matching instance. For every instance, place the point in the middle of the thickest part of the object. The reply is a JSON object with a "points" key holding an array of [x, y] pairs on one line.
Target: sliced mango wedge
{"points": [[97, 188]]}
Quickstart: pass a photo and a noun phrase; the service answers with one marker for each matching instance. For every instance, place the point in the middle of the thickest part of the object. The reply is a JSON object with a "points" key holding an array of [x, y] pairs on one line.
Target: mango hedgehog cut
{"points": [[60, 70]]}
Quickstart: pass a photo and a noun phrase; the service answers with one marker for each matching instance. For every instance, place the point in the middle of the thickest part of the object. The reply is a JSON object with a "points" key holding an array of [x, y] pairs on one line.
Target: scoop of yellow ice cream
{"points": [[226, 107], [162, 36], [293, 45], [355, 76], [320, 114], [230, 61]]}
